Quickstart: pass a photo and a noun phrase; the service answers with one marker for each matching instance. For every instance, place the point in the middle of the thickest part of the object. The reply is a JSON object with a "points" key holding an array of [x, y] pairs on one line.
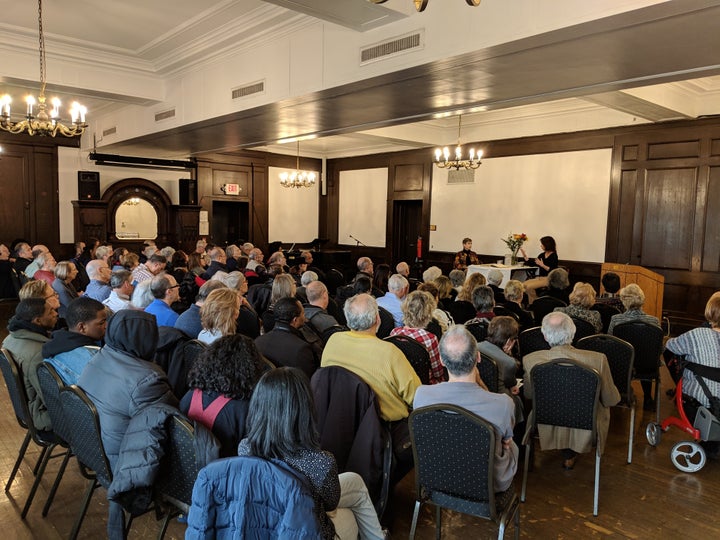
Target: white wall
{"points": [[293, 213], [362, 210], [563, 195], [71, 160]]}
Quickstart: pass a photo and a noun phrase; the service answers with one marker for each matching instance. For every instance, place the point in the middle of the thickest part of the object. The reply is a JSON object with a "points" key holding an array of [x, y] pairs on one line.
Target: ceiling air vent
{"points": [[463, 176], [164, 115], [109, 131], [248, 90], [392, 47]]}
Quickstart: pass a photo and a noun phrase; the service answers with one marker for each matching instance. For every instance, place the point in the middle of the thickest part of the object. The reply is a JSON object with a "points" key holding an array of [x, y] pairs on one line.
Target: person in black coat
{"points": [[284, 344]]}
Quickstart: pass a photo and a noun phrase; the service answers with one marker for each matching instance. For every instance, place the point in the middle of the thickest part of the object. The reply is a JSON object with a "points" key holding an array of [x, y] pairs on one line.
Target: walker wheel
{"points": [[688, 456], [653, 432]]}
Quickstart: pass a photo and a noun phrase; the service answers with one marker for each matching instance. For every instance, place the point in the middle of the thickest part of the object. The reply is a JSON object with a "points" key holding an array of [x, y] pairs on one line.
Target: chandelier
{"points": [[132, 201], [39, 120], [297, 178], [420, 5], [443, 161]]}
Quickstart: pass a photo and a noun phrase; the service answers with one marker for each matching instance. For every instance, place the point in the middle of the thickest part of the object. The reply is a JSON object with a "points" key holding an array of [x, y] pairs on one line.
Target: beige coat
{"points": [[579, 440]]}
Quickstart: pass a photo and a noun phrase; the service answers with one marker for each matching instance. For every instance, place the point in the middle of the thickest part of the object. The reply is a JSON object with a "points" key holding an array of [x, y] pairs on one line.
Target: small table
{"points": [[507, 271]]}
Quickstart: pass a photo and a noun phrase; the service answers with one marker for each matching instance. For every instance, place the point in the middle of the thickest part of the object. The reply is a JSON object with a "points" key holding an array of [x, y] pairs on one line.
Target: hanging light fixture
{"points": [[297, 178], [38, 119], [443, 161], [420, 5]]}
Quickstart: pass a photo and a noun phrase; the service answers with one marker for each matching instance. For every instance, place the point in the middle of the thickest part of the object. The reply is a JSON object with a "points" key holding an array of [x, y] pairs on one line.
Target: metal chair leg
{"points": [[438, 522], [18, 461], [597, 482], [38, 477], [414, 520], [39, 461], [92, 485], [657, 400], [517, 522], [528, 449], [631, 438], [58, 477]]}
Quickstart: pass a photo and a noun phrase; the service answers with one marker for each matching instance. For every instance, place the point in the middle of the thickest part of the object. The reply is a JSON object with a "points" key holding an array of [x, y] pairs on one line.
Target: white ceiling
{"points": [[158, 38]]}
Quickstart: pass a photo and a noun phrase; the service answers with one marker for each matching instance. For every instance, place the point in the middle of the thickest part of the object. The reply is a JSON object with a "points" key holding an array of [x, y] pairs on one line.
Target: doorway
{"points": [[230, 222], [407, 226]]}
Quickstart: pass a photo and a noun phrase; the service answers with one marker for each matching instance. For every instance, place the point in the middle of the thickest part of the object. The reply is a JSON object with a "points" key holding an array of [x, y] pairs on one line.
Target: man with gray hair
{"points": [[379, 363], [397, 290], [122, 289], [316, 316], [164, 289], [494, 279], [459, 354], [99, 273], [559, 330]]}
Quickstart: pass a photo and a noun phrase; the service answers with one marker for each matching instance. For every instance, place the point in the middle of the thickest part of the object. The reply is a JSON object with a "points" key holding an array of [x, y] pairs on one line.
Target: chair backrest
{"points": [[51, 384], [582, 329], [179, 466], [565, 394], [85, 435], [16, 388], [461, 311], [620, 355], [438, 433], [544, 305], [647, 340], [501, 310], [182, 360], [416, 353], [489, 372], [478, 329], [532, 340], [606, 312], [387, 323]]}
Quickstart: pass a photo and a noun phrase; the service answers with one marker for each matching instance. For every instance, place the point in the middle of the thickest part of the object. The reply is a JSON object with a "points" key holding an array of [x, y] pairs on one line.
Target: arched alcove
{"points": [[142, 190]]}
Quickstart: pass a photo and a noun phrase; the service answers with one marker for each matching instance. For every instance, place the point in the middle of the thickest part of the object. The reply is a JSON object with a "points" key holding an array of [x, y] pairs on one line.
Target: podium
{"points": [[652, 284]]}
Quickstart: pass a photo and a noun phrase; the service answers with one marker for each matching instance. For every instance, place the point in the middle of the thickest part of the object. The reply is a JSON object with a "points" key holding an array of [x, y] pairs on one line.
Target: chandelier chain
{"points": [[41, 40]]}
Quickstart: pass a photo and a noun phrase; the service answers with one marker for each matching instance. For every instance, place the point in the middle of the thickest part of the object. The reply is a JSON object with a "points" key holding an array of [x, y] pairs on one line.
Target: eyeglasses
{"points": [[174, 287], [56, 295]]}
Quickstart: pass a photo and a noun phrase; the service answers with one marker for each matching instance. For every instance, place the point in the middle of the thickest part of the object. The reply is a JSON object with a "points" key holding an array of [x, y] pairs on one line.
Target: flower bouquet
{"points": [[514, 242]]}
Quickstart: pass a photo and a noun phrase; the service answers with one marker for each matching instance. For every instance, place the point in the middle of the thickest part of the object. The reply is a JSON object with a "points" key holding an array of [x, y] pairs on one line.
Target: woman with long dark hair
{"points": [[221, 382], [545, 262], [282, 426]]}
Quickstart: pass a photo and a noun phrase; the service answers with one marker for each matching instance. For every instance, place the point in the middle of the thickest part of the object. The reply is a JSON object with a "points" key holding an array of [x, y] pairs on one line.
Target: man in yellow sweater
{"points": [[381, 365]]}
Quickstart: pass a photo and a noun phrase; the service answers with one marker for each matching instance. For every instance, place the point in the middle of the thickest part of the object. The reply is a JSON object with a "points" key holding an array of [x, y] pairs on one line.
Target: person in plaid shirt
{"points": [[417, 312]]}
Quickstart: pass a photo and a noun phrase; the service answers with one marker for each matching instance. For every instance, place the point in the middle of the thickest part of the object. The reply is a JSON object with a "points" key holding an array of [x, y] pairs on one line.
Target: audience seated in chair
{"points": [[189, 320], [417, 310], [282, 427], [459, 354], [582, 298], [221, 382], [559, 330], [70, 350], [392, 300]]}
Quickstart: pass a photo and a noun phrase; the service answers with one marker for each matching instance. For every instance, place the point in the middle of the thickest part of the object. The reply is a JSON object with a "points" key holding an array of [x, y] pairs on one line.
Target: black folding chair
{"points": [[478, 329], [387, 323], [647, 340], [86, 444], [620, 355], [564, 394], [501, 310], [532, 340], [582, 329], [441, 471], [416, 354], [46, 440], [178, 471], [462, 311], [606, 312], [489, 372], [544, 305]]}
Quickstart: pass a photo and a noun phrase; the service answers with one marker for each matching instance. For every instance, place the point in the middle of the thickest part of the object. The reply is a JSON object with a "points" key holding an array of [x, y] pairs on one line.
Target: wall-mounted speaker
{"points": [[88, 185], [188, 191]]}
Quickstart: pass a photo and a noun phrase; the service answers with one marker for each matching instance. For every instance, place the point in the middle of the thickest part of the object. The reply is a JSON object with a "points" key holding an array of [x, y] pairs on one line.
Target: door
{"points": [[407, 226], [230, 222]]}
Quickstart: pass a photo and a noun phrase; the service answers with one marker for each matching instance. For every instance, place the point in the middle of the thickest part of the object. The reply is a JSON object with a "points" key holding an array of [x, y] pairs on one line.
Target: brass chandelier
{"points": [[39, 120], [420, 5], [443, 161], [297, 178]]}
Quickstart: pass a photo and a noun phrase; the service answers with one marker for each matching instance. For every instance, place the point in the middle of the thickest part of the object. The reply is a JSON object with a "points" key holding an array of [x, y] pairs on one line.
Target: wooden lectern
{"points": [[652, 284]]}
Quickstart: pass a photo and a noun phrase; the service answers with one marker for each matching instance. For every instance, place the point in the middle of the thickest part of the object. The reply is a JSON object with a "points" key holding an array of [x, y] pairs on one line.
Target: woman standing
{"points": [[545, 262], [282, 426]]}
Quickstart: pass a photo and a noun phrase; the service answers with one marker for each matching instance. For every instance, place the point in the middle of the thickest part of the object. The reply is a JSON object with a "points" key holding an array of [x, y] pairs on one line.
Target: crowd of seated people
{"points": [[252, 316]]}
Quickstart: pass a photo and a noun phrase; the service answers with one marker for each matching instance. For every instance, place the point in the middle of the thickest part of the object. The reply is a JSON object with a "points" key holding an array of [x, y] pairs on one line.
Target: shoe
{"points": [[569, 464], [649, 404]]}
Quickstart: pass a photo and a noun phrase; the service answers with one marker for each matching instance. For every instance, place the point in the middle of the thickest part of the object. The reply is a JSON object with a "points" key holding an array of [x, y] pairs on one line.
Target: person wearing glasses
{"points": [[165, 290]]}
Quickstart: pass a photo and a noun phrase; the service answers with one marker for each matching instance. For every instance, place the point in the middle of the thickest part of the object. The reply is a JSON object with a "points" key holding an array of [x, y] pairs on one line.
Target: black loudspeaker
{"points": [[88, 185], [188, 191]]}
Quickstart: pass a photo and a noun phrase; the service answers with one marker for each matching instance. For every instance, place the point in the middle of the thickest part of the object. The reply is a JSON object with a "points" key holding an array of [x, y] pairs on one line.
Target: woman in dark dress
{"points": [[545, 262], [224, 375]]}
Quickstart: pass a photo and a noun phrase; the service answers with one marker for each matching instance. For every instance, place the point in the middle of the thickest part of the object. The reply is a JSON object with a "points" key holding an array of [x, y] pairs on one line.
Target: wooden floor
{"points": [[646, 499]]}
